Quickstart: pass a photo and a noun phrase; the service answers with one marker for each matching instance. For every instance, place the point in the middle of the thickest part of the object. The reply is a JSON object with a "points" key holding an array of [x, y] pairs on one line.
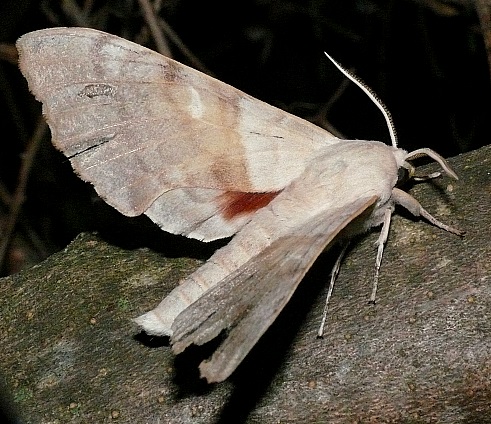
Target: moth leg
{"points": [[433, 175], [382, 238], [334, 275], [412, 205]]}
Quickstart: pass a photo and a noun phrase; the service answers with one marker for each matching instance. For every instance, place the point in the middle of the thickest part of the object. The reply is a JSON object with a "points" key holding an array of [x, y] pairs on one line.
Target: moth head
{"points": [[408, 171]]}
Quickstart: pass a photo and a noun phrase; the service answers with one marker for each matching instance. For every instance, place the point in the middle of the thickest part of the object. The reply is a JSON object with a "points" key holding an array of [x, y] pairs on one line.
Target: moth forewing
{"points": [[153, 135]]}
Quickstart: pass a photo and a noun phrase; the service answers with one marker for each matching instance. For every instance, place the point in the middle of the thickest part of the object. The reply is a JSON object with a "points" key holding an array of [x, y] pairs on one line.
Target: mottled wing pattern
{"points": [[139, 126]]}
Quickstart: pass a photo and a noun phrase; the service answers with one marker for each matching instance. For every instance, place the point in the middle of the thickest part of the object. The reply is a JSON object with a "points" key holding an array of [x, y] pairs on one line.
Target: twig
{"points": [[158, 27], [182, 47], [75, 13], [152, 22], [19, 195], [8, 53], [25, 226], [483, 8], [320, 118]]}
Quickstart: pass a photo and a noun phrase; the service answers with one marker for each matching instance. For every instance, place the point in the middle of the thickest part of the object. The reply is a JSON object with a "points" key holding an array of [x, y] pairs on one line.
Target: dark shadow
{"points": [[137, 232], [186, 378], [8, 412], [255, 374], [186, 364], [151, 341]]}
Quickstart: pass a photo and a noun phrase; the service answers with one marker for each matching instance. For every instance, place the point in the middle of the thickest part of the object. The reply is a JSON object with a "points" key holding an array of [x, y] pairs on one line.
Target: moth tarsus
{"points": [[191, 169], [422, 178], [374, 290], [334, 275]]}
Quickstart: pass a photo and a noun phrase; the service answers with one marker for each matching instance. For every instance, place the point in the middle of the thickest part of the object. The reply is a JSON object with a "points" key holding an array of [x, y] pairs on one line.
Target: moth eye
{"points": [[403, 175]]}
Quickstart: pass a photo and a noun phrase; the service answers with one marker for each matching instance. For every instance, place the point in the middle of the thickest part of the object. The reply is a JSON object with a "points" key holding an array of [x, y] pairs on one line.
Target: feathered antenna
{"points": [[373, 97]]}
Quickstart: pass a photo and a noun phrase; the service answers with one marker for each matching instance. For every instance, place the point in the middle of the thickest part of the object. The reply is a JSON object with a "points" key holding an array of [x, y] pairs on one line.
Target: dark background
{"points": [[425, 59]]}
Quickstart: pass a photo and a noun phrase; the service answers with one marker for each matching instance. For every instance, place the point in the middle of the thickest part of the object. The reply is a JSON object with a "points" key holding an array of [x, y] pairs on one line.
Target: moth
{"points": [[207, 161]]}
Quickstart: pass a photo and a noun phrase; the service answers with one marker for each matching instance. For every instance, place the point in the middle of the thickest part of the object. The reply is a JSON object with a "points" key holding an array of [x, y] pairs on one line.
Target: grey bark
{"points": [[70, 353]]}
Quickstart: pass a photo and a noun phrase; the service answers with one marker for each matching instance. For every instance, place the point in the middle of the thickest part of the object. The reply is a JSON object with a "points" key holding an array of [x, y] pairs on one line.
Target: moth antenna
{"points": [[373, 97], [436, 157]]}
